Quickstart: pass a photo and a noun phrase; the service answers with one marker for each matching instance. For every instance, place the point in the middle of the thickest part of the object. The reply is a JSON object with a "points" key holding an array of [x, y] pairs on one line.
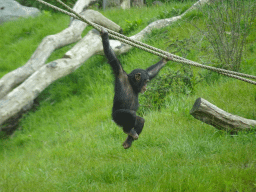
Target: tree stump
{"points": [[208, 113]]}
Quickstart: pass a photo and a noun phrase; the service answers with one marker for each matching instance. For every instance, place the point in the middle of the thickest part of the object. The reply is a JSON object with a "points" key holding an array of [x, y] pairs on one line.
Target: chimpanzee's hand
{"points": [[168, 59], [103, 32]]}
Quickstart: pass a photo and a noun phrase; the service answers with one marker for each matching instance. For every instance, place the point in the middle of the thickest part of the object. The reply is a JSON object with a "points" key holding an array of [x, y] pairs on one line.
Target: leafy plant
{"points": [[169, 13], [181, 82], [131, 25], [166, 14]]}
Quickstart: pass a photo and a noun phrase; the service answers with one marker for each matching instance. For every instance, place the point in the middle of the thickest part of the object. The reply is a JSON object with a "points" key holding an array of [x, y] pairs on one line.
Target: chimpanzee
{"points": [[127, 88]]}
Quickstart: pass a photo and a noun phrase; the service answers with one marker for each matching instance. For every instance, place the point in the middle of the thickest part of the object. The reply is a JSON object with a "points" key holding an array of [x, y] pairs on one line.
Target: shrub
{"points": [[228, 24], [181, 82], [131, 26]]}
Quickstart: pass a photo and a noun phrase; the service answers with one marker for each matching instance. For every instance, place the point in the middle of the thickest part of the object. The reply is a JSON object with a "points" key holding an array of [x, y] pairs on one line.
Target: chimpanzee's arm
{"points": [[154, 69], [112, 60]]}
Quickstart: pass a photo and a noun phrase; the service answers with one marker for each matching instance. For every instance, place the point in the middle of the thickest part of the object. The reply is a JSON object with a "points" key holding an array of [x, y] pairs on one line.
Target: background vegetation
{"points": [[228, 25], [69, 143], [71, 3], [34, 3]]}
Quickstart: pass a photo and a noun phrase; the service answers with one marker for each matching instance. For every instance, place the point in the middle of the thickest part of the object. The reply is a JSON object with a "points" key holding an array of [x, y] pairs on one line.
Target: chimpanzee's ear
{"points": [[138, 76]]}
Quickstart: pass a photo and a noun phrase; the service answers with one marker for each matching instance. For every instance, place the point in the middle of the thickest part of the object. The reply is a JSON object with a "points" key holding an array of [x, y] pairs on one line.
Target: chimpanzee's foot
{"points": [[133, 134], [128, 142]]}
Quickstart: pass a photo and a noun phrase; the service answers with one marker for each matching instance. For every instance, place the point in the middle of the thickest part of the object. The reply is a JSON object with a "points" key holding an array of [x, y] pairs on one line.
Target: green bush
{"points": [[181, 82], [131, 25]]}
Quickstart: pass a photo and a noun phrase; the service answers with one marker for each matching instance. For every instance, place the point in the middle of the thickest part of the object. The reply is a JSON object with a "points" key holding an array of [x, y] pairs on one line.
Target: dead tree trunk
{"points": [[19, 88], [125, 4], [222, 120]]}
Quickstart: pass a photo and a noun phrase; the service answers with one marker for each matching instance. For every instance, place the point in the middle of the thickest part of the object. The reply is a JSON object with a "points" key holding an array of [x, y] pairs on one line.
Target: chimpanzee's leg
{"points": [[139, 124], [126, 119]]}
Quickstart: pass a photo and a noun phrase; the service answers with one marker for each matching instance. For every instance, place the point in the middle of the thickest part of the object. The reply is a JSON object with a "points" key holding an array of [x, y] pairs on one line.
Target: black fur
{"points": [[127, 89]]}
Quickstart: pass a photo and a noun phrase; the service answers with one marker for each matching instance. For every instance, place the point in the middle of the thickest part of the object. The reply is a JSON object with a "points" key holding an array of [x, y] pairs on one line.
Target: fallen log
{"points": [[208, 113], [49, 44]]}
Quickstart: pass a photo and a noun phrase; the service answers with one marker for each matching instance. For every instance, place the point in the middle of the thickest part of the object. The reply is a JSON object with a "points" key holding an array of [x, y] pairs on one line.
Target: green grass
{"points": [[70, 143]]}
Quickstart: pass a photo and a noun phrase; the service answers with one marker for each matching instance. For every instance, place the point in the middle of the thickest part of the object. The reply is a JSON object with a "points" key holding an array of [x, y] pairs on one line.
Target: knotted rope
{"points": [[151, 49]]}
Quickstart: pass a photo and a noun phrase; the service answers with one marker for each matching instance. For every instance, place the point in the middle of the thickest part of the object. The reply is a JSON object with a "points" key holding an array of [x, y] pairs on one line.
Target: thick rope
{"points": [[149, 48]]}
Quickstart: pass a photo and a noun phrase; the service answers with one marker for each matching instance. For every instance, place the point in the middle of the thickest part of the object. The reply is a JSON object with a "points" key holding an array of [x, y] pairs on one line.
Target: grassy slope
{"points": [[70, 143]]}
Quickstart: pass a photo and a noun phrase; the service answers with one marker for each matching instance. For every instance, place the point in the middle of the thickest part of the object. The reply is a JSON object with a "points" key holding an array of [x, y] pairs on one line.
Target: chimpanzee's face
{"points": [[144, 88], [140, 78]]}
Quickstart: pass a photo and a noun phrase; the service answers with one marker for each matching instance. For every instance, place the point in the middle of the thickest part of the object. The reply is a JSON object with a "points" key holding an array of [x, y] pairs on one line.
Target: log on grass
{"points": [[50, 43], [208, 113]]}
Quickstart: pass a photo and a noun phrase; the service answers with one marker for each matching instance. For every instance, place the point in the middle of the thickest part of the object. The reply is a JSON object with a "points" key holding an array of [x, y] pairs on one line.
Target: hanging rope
{"points": [[151, 49]]}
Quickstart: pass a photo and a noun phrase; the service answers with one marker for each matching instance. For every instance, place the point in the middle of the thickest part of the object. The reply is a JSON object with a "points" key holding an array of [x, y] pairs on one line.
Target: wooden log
{"points": [[125, 4], [204, 111], [50, 43]]}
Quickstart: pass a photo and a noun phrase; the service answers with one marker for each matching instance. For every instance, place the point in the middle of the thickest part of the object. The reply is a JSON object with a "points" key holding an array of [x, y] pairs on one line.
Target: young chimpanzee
{"points": [[127, 88]]}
